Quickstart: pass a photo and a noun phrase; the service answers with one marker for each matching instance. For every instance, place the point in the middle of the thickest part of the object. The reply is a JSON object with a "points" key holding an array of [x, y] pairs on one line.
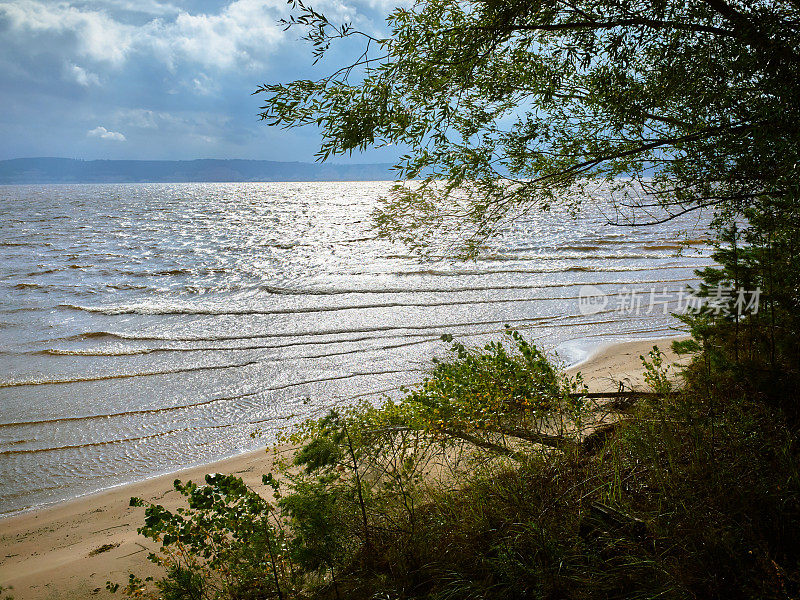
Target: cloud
{"points": [[240, 35], [82, 76], [105, 134], [389, 5], [166, 77], [93, 34], [204, 85]]}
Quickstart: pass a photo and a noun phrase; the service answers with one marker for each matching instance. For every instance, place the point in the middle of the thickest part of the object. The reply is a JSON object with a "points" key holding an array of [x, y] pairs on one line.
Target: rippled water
{"points": [[149, 327]]}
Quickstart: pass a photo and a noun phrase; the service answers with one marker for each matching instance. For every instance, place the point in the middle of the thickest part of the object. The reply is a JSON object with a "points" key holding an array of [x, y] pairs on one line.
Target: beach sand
{"points": [[611, 365], [54, 553]]}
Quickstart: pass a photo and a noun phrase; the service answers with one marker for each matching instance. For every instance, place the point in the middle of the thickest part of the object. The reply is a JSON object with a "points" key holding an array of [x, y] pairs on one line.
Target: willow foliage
{"points": [[504, 106]]}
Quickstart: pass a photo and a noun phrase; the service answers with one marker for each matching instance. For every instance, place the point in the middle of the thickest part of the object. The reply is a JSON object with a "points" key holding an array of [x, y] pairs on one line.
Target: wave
{"points": [[535, 253], [429, 337], [340, 377], [498, 257], [21, 309], [668, 246], [206, 402], [126, 413], [127, 287], [286, 245], [261, 390], [186, 310], [542, 322], [44, 272], [271, 419], [677, 244], [290, 334], [578, 268], [170, 272], [334, 291], [6, 384], [29, 286], [289, 291], [108, 442], [265, 389], [138, 352], [142, 309], [132, 352], [443, 327]]}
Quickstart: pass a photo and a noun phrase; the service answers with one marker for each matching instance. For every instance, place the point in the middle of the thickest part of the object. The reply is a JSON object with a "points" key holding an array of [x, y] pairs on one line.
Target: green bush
{"points": [[476, 484]]}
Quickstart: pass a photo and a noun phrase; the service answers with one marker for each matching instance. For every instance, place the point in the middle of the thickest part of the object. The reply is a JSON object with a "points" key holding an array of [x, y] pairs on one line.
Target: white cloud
{"points": [[82, 76], [204, 85], [105, 134], [199, 126], [96, 35], [241, 35], [93, 59]]}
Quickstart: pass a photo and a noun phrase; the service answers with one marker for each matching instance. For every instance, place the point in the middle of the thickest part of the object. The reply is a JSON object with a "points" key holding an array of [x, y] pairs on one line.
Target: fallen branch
{"points": [[625, 395]]}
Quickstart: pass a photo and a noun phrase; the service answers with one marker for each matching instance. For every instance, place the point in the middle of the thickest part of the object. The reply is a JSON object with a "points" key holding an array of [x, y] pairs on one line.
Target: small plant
{"points": [[227, 544], [656, 373]]}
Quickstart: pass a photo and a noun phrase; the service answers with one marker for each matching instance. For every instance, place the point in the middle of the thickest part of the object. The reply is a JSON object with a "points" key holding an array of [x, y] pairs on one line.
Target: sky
{"points": [[158, 79]]}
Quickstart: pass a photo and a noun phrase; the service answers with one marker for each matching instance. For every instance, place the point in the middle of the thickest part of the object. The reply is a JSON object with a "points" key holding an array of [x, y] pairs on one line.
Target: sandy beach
{"points": [[611, 365], [70, 550]]}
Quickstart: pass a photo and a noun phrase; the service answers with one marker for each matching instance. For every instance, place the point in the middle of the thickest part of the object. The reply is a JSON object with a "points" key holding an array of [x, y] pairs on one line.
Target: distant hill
{"points": [[67, 170]]}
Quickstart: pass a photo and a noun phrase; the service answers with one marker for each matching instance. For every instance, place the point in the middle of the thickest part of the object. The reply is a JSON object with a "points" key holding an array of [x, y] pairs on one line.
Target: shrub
{"points": [[475, 485]]}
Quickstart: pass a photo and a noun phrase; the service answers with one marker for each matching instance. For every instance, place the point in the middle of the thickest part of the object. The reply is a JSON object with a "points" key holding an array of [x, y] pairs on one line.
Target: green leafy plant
{"points": [[656, 373], [227, 543], [430, 496]]}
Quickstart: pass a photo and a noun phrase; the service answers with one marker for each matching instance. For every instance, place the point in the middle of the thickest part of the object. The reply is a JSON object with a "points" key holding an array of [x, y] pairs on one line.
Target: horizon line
{"points": [[304, 162]]}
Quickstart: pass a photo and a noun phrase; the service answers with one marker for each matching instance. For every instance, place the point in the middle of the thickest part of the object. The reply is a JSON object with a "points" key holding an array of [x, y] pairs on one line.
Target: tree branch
{"points": [[593, 25]]}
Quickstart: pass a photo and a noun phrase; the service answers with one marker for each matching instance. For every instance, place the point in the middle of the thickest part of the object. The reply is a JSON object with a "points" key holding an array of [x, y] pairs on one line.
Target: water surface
{"points": [[149, 327]]}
